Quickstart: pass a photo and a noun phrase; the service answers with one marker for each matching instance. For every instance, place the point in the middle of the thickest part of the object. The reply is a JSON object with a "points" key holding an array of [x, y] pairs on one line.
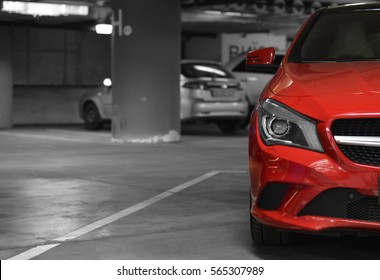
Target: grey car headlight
{"points": [[280, 125]]}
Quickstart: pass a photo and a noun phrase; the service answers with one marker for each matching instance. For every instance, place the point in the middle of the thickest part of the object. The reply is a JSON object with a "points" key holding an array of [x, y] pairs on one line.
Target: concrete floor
{"points": [[66, 193]]}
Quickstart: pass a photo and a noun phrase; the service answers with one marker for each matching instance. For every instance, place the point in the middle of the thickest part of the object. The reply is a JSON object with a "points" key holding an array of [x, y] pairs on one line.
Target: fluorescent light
{"points": [[233, 14], [107, 82], [212, 12], [103, 28], [248, 15], [44, 9]]}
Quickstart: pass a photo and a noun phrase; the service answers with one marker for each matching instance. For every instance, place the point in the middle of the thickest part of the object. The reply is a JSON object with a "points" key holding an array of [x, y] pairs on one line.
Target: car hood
{"points": [[323, 90]]}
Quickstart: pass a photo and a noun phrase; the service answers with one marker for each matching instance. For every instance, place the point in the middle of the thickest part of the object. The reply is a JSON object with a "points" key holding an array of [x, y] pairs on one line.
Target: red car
{"points": [[314, 140]]}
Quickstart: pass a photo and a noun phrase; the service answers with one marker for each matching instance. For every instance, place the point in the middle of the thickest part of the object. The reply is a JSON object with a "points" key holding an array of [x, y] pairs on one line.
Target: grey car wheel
{"points": [[92, 118]]}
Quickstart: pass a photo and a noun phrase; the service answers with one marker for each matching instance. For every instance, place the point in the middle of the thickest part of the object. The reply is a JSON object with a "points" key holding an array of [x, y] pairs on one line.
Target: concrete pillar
{"points": [[146, 45], [6, 78]]}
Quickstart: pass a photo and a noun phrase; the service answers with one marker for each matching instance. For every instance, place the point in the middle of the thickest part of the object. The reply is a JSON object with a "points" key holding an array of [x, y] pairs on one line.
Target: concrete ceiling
{"points": [[202, 16]]}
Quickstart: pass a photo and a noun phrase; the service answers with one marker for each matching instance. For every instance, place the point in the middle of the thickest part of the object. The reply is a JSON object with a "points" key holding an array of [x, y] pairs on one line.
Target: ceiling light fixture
{"points": [[103, 28], [213, 12], [232, 14], [44, 9]]}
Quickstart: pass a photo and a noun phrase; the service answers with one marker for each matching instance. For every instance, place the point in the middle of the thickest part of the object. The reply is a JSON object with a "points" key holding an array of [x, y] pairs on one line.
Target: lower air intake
{"points": [[343, 203]]}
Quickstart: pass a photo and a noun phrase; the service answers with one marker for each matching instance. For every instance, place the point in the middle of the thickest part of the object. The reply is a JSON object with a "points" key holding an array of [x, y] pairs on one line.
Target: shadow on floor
{"points": [[310, 247]]}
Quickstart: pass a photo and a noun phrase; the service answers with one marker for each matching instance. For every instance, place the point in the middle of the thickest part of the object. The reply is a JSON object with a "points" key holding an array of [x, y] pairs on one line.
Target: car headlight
{"points": [[280, 125]]}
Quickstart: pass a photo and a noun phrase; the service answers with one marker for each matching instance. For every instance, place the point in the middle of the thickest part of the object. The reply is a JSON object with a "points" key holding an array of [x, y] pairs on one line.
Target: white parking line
{"points": [[38, 250], [34, 252], [49, 137]]}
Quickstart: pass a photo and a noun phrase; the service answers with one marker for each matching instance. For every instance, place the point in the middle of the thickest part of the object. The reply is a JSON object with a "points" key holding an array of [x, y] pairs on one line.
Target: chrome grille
{"points": [[359, 139], [356, 127]]}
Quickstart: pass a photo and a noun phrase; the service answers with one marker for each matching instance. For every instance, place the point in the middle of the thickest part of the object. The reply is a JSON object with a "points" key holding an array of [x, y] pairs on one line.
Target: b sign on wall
{"points": [[235, 44]]}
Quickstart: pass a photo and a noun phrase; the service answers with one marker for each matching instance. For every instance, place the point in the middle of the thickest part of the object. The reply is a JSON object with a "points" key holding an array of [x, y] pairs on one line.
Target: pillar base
{"points": [[172, 137]]}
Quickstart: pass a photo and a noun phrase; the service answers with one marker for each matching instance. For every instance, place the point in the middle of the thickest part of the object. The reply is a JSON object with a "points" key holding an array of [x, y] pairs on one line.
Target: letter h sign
{"points": [[118, 26]]}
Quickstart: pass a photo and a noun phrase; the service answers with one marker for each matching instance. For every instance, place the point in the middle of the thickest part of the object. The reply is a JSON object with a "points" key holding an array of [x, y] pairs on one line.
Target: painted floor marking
{"points": [[50, 137], [27, 255], [38, 250]]}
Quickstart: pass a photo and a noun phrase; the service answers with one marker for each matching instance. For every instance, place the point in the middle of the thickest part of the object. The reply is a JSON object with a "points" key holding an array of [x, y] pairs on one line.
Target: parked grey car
{"points": [[208, 93]]}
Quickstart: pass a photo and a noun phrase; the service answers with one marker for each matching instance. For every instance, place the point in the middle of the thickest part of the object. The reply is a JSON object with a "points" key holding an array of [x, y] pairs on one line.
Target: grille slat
{"points": [[356, 127], [362, 154], [366, 127]]}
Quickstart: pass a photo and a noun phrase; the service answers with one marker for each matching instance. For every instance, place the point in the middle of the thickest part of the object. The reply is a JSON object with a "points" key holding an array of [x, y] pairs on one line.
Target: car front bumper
{"points": [[299, 189]]}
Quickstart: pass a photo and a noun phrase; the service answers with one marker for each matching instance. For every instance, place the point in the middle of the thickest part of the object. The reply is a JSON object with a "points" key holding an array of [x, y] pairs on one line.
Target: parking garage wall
{"points": [[52, 69], [202, 47]]}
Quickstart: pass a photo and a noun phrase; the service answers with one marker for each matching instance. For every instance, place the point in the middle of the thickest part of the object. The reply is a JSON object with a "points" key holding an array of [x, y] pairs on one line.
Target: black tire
{"points": [[265, 235], [92, 118], [229, 126]]}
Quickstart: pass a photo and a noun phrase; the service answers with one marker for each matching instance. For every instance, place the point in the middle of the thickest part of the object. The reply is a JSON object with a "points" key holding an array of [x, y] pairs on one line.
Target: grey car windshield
{"points": [[347, 36], [198, 70]]}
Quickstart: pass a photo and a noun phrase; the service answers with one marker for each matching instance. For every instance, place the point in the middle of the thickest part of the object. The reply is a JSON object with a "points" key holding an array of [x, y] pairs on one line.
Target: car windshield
{"points": [[349, 36], [198, 70]]}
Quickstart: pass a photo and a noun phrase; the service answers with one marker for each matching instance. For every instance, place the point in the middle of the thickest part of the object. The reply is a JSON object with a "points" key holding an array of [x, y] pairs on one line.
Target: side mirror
{"points": [[259, 57]]}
